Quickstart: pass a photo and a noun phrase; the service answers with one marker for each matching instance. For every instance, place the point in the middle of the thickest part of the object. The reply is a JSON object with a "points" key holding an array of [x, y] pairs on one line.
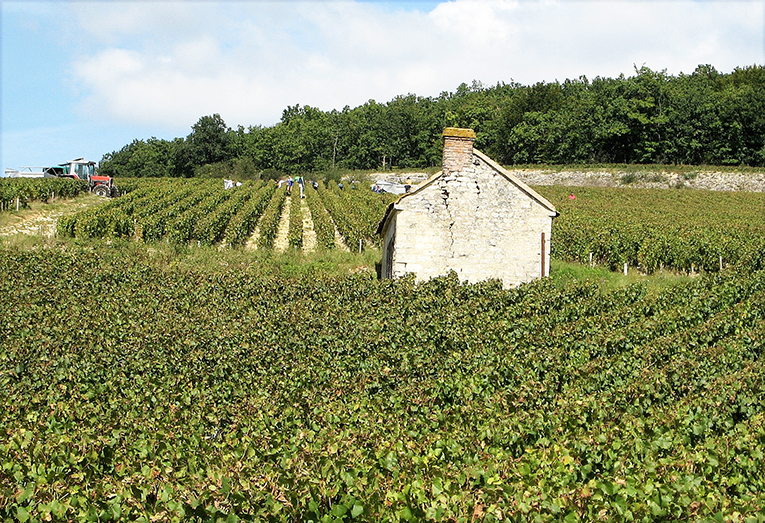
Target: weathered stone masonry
{"points": [[458, 150], [474, 218]]}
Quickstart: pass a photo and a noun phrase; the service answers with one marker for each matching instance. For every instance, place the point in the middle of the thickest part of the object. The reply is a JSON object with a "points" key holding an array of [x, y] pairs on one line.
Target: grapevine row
{"points": [[153, 227], [322, 223], [269, 222], [653, 229], [36, 189], [243, 224], [213, 226], [295, 232], [351, 232]]}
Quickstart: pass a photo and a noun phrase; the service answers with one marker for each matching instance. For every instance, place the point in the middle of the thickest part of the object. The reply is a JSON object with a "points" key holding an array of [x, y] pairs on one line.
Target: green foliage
{"points": [[150, 158], [110, 220], [322, 223], [652, 229], [705, 117], [355, 211], [37, 189], [182, 227], [243, 224], [213, 226], [142, 389], [99, 223], [208, 143], [153, 226], [181, 211], [269, 222], [295, 232]]}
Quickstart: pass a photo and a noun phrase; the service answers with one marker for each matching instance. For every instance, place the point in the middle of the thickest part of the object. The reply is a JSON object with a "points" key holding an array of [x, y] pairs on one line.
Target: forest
{"points": [[704, 118]]}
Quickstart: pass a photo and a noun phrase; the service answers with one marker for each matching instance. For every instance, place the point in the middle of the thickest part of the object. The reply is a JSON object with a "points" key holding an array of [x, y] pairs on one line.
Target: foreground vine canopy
{"points": [[140, 391]]}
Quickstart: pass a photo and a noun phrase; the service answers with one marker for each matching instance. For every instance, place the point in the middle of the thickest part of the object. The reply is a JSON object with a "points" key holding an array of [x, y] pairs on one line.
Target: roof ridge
{"points": [[517, 181]]}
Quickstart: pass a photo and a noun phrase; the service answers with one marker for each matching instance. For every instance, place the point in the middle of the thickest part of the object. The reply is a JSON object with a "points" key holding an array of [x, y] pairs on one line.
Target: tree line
{"points": [[706, 117]]}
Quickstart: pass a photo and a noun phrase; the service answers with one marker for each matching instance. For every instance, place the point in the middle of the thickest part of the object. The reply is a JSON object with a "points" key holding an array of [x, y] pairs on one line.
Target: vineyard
{"points": [[21, 191], [183, 212], [652, 229], [140, 390], [649, 230]]}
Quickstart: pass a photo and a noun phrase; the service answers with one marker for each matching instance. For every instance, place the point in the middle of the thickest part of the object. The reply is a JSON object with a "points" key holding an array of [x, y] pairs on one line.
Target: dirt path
{"points": [[309, 234], [281, 242], [41, 218], [340, 242], [252, 241]]}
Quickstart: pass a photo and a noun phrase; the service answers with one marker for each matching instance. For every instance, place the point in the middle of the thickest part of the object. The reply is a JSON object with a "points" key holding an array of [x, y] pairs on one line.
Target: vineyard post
{"points": [[544, 250], [721, 263], [360, 240], [17, 204], [591, 264], [625, 268]]}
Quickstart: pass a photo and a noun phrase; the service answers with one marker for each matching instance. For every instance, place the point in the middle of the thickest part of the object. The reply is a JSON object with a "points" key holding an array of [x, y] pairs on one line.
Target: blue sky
{"points": [[86, 78]]}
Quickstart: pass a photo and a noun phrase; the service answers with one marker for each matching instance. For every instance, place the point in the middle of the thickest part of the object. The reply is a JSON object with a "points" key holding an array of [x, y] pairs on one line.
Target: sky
{"points": [[82, 79]]}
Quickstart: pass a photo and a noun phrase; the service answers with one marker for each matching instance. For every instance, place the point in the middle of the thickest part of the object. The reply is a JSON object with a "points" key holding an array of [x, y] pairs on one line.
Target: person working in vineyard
{"points": [[290, 181], [408, 184], [301, 184]]}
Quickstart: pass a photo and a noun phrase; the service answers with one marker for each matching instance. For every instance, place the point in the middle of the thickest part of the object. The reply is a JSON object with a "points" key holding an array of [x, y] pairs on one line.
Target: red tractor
{"points": [[80, 169]]}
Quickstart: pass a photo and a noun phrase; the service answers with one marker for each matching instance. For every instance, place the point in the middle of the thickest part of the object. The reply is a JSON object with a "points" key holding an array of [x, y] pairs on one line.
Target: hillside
{"points": [[176, 354]]}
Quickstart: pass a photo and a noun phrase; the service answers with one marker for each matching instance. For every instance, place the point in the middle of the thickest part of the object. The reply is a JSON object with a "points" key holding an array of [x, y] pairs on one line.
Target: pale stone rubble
{"points": [[701, 179], [281, 241]]}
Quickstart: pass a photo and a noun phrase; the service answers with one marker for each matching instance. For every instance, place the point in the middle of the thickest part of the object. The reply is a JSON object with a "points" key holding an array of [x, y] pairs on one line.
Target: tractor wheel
{"points": [[115, 191], [101, 190]]}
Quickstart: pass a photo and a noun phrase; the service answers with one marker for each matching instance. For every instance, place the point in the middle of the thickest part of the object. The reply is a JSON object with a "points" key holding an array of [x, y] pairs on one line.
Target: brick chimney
{"points": [[458, 148]]}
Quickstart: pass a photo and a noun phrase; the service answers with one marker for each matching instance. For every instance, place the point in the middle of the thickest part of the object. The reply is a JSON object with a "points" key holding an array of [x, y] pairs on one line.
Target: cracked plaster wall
{"points": [[475, 222]]}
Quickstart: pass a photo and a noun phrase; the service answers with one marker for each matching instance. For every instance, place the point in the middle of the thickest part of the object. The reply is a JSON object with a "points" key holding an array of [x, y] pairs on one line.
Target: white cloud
{"points": [[478, 24], [169, 63]]}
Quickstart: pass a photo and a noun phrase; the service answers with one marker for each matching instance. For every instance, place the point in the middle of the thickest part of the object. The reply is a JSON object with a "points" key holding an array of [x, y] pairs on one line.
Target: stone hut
{"points": [[474, 217]]}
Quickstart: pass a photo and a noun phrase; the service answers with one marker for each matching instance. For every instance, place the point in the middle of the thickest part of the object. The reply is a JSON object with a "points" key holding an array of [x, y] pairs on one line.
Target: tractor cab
{"points": [[79, 169]]}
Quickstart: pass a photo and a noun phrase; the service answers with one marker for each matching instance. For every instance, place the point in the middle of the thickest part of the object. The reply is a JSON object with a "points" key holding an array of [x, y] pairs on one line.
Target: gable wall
{"points": [[475, 222], [389, 247]]}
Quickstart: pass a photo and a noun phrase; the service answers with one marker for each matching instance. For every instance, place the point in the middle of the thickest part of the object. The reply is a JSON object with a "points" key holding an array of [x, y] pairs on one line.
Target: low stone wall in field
{"points": [[708, 180]]}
